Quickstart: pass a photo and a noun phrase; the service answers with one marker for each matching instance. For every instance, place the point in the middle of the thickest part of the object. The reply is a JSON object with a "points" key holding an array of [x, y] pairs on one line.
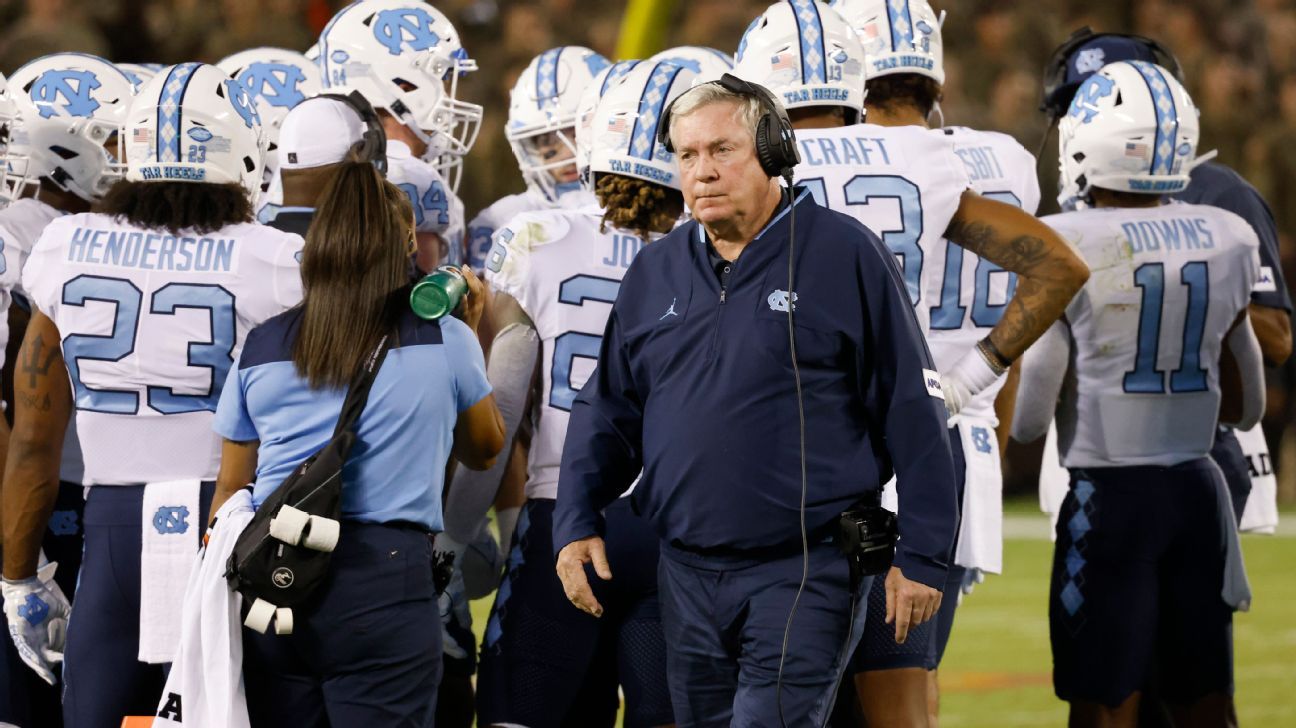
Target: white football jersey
{"points": [[902, 182], [21, 225], [565, 274], [437, 209], [1166, 284], [482, 228], [963, 295], [151, 323]]}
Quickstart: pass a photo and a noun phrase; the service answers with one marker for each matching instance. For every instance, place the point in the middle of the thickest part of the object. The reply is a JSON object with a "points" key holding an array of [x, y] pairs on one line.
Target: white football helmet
{"points": [[138, 73], [899, 36], [277, 80], [72, 108], [807, 55], [542, 107], [623, 132], [405, 58], [1131, 128], [708, 64], [589, 100], [193, 123], [9, 181]]}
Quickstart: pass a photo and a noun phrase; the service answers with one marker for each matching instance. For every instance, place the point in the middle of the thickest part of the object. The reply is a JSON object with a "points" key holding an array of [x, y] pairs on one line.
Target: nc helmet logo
{"points": [[1085, 104], [274, 83], [778, 300], [242, 103], [1090, 60], [34, 610], [171, 519], [398, 28], [71, 87]]}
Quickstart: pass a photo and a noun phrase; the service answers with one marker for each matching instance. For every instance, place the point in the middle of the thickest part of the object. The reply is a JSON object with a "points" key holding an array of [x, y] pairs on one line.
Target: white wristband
{"points": [[974, 372]]}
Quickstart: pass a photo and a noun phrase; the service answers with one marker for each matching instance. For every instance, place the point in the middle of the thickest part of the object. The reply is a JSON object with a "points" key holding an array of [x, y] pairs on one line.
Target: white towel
{"points": [[171, 527], [980, 539], [1260, 514], [205, 686], [1054, 481]]}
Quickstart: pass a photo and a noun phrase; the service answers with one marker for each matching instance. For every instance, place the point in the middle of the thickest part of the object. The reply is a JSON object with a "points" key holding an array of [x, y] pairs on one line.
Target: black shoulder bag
{"points": [[281, 559]]}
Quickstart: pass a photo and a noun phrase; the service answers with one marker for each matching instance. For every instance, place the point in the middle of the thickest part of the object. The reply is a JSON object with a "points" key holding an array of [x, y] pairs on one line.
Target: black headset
{"points": [[1058, 93], [775, 142], [373, 142]]}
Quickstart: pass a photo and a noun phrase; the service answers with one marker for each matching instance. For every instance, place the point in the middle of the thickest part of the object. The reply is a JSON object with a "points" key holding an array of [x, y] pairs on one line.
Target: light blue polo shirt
{"points": [[396, 470]]}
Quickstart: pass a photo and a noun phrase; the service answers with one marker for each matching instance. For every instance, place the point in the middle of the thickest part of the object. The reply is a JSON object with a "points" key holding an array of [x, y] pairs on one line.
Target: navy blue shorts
{"points": [[25, 699], [1227, 454], [725, 625], [546, 663], [102, 677], [368, 653], [925, 645], [1137, 572]]}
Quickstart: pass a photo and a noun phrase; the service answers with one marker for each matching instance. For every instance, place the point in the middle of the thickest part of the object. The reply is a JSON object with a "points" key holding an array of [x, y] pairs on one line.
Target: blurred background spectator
{"points": [[1239, 58]]}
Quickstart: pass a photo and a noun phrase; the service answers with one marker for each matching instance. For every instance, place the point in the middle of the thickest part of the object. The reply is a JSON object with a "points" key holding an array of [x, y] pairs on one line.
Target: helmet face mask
{"points": [[193, 123], [543, 106], [1131, 127], [807, 55], [405, 58], [70, 108]]}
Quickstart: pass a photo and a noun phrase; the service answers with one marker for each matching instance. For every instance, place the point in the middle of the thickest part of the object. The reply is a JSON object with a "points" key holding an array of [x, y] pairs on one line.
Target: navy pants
{"points": [[724, 626], [1137, 572], [368, 653], [545, 663], [103, 679], [25, 699]]}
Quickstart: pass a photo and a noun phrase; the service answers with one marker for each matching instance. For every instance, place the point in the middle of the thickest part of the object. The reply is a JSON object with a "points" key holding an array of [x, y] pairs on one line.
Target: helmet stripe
{"points": [[901, 23], [547, 77], [619, 69], [652, 101], [1167, 117], [810, 31], [169, 111]]}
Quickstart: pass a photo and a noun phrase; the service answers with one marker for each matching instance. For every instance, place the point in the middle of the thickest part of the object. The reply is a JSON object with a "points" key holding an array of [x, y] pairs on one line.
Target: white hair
{"points": [[749, 110]]}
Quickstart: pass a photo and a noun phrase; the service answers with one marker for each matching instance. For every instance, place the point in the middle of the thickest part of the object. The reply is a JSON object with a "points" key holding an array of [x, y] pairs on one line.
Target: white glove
{"points": [[968, 377], [37, 613]]}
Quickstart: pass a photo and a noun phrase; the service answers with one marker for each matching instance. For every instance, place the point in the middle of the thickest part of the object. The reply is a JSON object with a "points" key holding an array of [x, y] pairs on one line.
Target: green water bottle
{"points": [[438, 293]]}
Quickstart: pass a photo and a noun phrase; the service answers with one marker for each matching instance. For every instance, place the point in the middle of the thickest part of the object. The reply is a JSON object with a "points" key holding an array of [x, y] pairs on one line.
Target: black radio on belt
{"points": [[868, 535]]}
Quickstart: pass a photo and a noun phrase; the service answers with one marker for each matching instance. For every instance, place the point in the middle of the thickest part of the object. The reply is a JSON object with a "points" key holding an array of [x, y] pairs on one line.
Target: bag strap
{"points": [[358, 393]]}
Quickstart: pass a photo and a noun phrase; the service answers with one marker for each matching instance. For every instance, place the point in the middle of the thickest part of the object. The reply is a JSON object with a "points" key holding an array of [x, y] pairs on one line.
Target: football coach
{"points": [[759, 412]]}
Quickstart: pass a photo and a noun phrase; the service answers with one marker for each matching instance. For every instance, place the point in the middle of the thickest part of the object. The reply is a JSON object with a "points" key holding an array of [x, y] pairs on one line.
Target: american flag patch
{"points": [[142, 136], [617, 125], [786, 59], [1136, 150]]}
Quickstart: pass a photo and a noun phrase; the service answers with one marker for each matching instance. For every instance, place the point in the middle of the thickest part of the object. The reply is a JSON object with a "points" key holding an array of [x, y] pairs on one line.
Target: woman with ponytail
{"points": [[368, 651]]}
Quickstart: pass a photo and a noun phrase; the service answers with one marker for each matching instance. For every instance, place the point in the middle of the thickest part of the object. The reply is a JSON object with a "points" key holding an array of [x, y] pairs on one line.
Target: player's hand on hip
{"points": [[908, 603], [571, 571], [37, 613]]}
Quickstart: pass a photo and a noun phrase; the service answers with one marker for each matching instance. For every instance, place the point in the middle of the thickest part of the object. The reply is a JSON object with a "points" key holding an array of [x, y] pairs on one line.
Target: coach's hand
{"points": [[908, 603], [571, 570], [474, 301]]}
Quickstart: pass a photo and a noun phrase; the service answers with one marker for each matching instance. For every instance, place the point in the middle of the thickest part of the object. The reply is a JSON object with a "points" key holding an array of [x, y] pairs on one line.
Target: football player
{"points": [[138, 312], [1211, 183], [63, 118], [956, 247], [555, 275], [1146, 565], [277, 80], [541, 132], [405, 58]]}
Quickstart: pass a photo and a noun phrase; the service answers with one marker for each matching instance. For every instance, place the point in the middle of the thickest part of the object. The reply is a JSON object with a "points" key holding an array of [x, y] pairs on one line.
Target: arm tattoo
{"points": [[38, 361]]}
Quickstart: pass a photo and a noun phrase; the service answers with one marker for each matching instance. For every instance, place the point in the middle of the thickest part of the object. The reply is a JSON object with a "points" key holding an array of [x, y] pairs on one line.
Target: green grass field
{"points": [[997, 670]]}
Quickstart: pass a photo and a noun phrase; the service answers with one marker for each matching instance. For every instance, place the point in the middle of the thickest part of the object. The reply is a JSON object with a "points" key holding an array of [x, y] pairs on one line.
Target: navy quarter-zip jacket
{"points": [[694, 385]]}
